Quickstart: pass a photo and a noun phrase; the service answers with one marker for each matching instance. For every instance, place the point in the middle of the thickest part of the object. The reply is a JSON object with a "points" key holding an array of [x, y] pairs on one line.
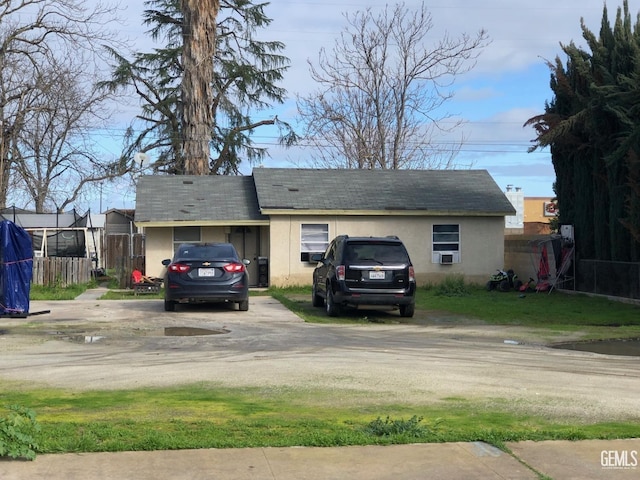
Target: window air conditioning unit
{"points": [[446, 259]]}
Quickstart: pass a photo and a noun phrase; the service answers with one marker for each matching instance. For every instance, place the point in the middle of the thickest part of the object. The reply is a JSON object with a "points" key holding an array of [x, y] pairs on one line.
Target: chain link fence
{"points": [[618, 279]]}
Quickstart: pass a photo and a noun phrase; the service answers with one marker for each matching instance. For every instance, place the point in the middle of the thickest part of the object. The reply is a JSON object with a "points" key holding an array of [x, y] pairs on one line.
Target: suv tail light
{"points": [[340, 272], [179, 268], [412, 275], [234, 267]]}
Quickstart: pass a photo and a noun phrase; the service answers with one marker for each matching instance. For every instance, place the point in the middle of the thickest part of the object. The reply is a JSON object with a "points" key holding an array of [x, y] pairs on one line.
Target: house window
{"points": [[314, 238], [185, 235], [446, 244]]}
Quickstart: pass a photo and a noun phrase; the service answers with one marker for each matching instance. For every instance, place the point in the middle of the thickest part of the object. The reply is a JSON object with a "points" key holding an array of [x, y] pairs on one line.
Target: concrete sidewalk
{"points": [[560, 460]]}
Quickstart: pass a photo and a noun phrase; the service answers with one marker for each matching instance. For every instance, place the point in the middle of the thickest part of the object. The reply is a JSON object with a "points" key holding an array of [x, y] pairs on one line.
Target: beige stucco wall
{"points": [[159, 245], [482, 244]]}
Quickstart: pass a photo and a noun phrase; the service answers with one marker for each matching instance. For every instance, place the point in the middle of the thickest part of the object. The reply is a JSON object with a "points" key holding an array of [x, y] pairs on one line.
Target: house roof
{"points": [[273, 191], [201, 199], [436, 192]]}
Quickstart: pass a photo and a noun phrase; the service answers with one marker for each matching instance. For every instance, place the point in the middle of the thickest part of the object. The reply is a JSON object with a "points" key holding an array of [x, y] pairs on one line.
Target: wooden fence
{"points": [[119, 246], [61, 270], [124, 267]]}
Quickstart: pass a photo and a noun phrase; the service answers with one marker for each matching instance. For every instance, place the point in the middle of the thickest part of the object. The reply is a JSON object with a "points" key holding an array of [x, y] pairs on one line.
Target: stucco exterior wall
{"points": [[159, 245], [481, 244]]}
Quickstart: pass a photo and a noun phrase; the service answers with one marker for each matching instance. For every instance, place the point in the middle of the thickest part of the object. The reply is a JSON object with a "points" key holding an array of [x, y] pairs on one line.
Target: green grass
{"points": [[535, 309], [58, 292], [207, 416], [557, 310]]}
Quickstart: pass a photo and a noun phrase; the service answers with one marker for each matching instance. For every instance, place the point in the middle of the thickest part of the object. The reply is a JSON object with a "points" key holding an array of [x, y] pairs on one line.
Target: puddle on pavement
{"points": [[87, 338], [191, 331], [626, 347]]}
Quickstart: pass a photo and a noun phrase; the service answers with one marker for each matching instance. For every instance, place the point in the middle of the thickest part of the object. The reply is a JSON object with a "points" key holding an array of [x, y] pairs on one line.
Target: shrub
{"points": [[388, 427], [17, 433], [453, 286]]}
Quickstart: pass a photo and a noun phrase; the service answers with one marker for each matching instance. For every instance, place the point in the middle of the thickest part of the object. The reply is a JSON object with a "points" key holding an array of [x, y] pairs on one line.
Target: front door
{"points": [[246, 240]]}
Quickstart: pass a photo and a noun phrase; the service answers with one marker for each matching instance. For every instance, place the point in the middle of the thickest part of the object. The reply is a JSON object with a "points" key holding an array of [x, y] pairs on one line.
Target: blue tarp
{"points": [[16, 268]]}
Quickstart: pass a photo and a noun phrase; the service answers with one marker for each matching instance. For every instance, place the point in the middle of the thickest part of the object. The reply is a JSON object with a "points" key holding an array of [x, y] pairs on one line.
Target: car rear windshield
{"points": [[207, 252], [380, 252]]}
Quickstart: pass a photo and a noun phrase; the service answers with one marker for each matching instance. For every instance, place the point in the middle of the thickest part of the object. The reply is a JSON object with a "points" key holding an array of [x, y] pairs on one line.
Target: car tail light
{"points": [[340, 272], [234, 267], [179, 268], [412, 275]]}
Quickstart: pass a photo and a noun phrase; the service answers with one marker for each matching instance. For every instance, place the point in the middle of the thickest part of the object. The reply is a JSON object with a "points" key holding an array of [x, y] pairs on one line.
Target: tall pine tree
{"points": [[244, 80], [592, 127]]}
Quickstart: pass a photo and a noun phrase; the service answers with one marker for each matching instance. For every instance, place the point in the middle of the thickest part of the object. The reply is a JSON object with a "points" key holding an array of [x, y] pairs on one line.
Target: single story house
{"points": [[451, 221]]}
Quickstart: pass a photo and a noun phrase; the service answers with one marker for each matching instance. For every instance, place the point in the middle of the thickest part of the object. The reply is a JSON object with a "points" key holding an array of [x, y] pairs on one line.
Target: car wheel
{"points": [[504, 286], [169, 306], [333, 310], [243, 305], [491, 285], [407, 310], [316, 300]]}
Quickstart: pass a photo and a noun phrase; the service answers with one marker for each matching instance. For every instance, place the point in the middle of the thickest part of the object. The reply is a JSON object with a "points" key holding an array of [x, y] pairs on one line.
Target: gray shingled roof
{"points": [[436, 191], [236, 198], [210, 198]]}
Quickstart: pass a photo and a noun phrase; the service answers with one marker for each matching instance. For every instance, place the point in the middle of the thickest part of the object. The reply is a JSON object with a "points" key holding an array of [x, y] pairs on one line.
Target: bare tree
{"points": [[55, 156], [382, 89], [199, 37], [46, 45]]}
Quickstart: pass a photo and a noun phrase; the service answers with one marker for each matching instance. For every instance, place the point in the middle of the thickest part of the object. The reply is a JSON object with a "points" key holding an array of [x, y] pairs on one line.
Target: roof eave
{"points": [[406, 213], [198, 223]]}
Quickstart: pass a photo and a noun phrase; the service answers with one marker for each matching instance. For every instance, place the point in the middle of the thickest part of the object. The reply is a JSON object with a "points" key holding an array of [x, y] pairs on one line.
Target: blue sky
{"points": [[508, 85]]}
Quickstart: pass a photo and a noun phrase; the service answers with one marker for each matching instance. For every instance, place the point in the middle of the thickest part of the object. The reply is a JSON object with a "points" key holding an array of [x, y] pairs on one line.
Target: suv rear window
{"points": [[376, 252]]}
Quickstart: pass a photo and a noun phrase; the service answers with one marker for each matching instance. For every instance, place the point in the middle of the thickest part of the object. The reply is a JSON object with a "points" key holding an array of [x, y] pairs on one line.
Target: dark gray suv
{"points": [[364, 271]]}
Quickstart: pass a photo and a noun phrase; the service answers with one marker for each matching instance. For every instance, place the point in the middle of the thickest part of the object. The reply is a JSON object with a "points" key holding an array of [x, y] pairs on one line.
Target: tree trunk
{"points": [[199, 34], [4, 172]]}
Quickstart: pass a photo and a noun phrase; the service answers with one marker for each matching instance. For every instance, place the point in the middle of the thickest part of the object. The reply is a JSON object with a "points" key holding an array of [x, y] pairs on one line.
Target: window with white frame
{"points": [[314, 238], [445, 243], [185, 235]]}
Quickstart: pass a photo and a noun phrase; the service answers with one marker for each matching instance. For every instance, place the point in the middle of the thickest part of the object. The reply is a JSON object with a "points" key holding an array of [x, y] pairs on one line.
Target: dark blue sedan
{"points": [[206, 273]]}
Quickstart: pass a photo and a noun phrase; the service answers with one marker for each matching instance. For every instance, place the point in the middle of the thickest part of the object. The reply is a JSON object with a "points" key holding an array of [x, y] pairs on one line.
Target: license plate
{"points": [[376, 275], [206, 272]]}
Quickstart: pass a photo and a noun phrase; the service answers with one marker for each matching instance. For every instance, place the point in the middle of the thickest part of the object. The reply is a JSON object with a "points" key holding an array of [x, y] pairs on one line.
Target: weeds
{"points": [[453, 286], [406, 428], [17, 433]]}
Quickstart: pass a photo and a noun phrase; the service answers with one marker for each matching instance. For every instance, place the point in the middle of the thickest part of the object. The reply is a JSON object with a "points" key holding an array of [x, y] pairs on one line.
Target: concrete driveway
{"points": [[99, 344]]}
